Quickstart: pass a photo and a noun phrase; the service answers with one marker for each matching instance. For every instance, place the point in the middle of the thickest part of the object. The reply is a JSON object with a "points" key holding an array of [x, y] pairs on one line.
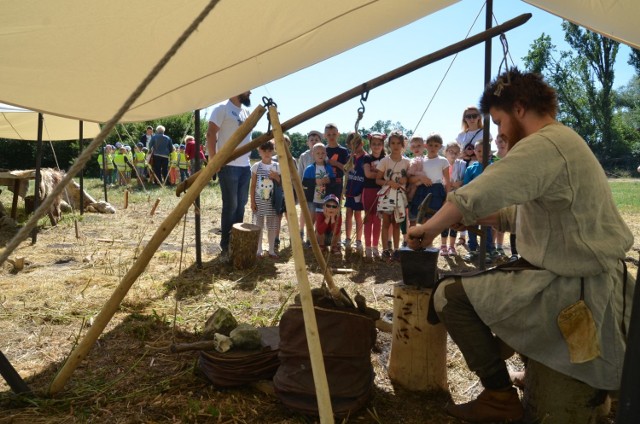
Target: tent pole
{"points": [[486, 143], [197, 135], [308, 312], [374, 83], [12, 377], [164, 229], [80, 148], [36, 197]]}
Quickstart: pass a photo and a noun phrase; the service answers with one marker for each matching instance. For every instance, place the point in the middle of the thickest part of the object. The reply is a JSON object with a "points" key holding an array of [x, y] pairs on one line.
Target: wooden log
{"points": [[164, 229], [155, 206], [418, 358], [325, 409], [550, 396], [126, 199], [187, 347], [243, 245]]}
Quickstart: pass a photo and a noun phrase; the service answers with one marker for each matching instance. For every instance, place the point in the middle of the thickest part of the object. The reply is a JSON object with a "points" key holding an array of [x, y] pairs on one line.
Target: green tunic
{"points": [[552, 192]]}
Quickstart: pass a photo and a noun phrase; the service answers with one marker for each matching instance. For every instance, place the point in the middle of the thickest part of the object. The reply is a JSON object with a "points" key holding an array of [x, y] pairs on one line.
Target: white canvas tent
{"points": [[81, 60], [22, 124]]}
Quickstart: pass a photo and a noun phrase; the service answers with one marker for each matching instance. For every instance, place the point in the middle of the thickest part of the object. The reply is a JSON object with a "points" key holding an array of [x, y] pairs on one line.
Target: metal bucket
{"points": [[419, 267]]}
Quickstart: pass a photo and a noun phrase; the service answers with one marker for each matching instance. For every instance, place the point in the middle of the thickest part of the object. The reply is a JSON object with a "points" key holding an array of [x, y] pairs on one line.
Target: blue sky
{"points": [[405, 100]]}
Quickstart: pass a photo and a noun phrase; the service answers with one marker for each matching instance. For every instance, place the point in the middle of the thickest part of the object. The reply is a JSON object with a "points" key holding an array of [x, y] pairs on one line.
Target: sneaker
{"points": [[307, 244], [513, 258], [404, 244], [500, 252], [368, 253], [347, 243], [375, 252], [453, 251], [471, 256], [489, 258], [386, 254], [444, 251], [336, 251], [359, 246], [396, 256]]}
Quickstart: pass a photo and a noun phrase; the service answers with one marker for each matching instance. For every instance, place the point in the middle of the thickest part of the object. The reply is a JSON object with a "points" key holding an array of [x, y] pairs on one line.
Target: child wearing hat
{"points": [[328, 224], [183, 163]]}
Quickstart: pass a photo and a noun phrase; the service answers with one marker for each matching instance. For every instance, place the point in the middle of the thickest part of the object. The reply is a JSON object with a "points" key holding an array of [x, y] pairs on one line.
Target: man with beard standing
{"points": [[552, 192], [235, 176]]}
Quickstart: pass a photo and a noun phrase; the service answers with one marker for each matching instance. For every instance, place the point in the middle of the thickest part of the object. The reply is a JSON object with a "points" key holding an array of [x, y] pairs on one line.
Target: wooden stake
{"points": [[311, 326], [155, 205], [126, 199], [163, 231], [75, 223]]}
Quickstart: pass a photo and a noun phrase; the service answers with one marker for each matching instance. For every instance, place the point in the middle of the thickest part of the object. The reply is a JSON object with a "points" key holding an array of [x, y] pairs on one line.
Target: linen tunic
{"points": [[552, 192]]}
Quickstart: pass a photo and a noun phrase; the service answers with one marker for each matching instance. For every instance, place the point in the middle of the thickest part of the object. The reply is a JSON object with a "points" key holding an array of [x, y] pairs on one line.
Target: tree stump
{"points": [[550, 396], [243, 245], [418, 349]]}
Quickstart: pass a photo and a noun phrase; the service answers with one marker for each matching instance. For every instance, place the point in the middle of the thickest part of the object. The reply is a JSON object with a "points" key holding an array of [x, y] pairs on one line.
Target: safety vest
{"points": [[110, 166], [173, 159], [183, 163], [101, 161], [120, 163], [138, 159]]}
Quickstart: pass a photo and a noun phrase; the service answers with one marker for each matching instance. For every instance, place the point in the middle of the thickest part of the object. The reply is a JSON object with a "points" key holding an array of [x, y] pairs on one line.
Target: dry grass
{"points": [[130, 375]]}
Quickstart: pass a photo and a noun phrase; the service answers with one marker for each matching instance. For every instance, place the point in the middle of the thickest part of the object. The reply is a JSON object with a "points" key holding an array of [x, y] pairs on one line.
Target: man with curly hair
{"points": [[552, 192]]}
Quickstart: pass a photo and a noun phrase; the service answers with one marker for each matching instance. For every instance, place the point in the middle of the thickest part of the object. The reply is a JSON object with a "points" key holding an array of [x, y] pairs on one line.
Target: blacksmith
{"points": [[552, 192]]}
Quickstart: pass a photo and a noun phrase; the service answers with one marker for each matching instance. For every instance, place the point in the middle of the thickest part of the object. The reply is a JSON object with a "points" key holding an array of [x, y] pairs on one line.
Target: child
{"points": [[416, 145], [457, 167], [263, 175], [121, 165], [503, 149], [353, 192], [317, 182], [433, 179], [328, 223], [102, 158], [173, 165], [183, 163], [392, 201], [473, 171], [306, 159], [139, 161], [336, 154], [370, 194]]}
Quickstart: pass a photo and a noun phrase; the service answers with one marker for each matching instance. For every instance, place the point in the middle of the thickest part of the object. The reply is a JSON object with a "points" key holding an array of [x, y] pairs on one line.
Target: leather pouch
{"points": [[579, 331]]}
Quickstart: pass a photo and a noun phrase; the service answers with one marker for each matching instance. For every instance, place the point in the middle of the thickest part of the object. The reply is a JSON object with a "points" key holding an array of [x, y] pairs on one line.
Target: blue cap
{"points": [[331, 198]]}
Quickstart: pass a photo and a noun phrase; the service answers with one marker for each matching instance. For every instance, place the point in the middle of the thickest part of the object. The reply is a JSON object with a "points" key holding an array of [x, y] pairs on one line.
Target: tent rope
{"points": [[446, 73], [86, 155], [175, 296]]}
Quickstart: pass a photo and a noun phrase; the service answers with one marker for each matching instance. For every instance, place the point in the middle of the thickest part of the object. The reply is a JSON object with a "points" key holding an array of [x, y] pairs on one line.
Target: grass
{"points": [[129, 375]]}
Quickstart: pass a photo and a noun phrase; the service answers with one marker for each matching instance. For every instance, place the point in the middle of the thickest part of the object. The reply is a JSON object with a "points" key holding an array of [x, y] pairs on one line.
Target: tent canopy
{"points": [[22, 124], [82, 60]]}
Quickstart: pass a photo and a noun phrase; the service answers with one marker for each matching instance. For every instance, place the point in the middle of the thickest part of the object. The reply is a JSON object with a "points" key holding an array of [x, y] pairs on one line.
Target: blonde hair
{"points": [[453, 145], [465, 126]]}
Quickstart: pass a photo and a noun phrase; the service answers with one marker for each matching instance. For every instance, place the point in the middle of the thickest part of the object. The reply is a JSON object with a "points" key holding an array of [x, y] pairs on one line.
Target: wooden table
{"points": [[18, 183]]}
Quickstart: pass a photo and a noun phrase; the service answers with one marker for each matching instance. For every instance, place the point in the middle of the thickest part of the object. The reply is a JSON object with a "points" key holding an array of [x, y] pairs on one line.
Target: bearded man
{"points": [[235, 176], [551, 191]]}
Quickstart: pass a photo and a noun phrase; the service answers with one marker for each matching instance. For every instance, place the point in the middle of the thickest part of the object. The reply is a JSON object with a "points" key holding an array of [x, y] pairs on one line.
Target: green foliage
{"points": [[634, 60], [583, 79]]}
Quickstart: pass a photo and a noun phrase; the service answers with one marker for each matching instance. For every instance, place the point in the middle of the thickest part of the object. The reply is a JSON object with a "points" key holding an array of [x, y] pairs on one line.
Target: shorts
{"points": [[354, 203]]}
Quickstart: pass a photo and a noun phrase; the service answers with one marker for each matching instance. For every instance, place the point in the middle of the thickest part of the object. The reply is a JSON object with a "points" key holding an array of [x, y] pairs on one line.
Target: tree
{"points": [[634, 60], [584, 80]]}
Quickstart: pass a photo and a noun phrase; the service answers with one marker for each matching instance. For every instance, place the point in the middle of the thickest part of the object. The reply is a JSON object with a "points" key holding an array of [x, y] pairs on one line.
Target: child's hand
{"points": [[426, 181], [254, 206]]}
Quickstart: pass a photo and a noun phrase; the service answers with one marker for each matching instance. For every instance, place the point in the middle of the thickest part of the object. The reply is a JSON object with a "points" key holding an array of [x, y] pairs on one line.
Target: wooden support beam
{"points": [[311, 325]]}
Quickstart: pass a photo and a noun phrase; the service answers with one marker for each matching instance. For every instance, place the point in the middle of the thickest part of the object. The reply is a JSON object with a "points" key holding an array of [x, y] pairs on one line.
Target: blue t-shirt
{"points": [[355, 177], [341, 154]]}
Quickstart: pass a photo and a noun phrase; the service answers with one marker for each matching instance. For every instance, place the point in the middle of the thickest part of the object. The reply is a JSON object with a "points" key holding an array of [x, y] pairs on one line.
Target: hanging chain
{"points": [[268, 101], [363, 98], [505, 53]]}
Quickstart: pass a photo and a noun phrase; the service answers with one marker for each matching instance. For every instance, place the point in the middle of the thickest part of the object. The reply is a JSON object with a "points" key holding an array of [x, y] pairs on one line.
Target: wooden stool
{"points": [[418, 355], [243, 245], [552, 397]]}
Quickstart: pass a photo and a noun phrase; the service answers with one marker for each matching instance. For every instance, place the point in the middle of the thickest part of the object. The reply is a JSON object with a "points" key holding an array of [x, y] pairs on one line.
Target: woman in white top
{"points": [[472, 130]]}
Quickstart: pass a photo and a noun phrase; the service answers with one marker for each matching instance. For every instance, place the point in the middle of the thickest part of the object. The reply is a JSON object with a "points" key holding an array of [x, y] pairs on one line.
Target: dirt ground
{"points": [[130, 375]]}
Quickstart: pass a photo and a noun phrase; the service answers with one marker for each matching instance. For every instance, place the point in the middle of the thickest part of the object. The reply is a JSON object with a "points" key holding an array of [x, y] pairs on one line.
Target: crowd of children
{"points": [[120, 165], [381, 188]]}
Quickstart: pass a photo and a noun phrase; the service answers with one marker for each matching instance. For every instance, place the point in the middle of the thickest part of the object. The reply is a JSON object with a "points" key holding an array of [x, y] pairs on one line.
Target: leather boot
{"points": [[490, 406]]}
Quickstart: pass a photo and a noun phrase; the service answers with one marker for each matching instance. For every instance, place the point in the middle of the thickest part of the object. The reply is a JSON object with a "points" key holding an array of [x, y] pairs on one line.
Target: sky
{"points": [[406, 99]]}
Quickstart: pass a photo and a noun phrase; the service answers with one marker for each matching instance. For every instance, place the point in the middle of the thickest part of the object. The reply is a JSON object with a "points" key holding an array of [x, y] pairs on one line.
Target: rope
{"points": [[86, 155], [175, 297], [446, 72]]}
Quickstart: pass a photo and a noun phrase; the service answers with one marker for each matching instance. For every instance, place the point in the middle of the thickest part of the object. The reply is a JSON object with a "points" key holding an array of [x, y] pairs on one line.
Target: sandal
{"points": [[453, 251], [444, 251]]}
